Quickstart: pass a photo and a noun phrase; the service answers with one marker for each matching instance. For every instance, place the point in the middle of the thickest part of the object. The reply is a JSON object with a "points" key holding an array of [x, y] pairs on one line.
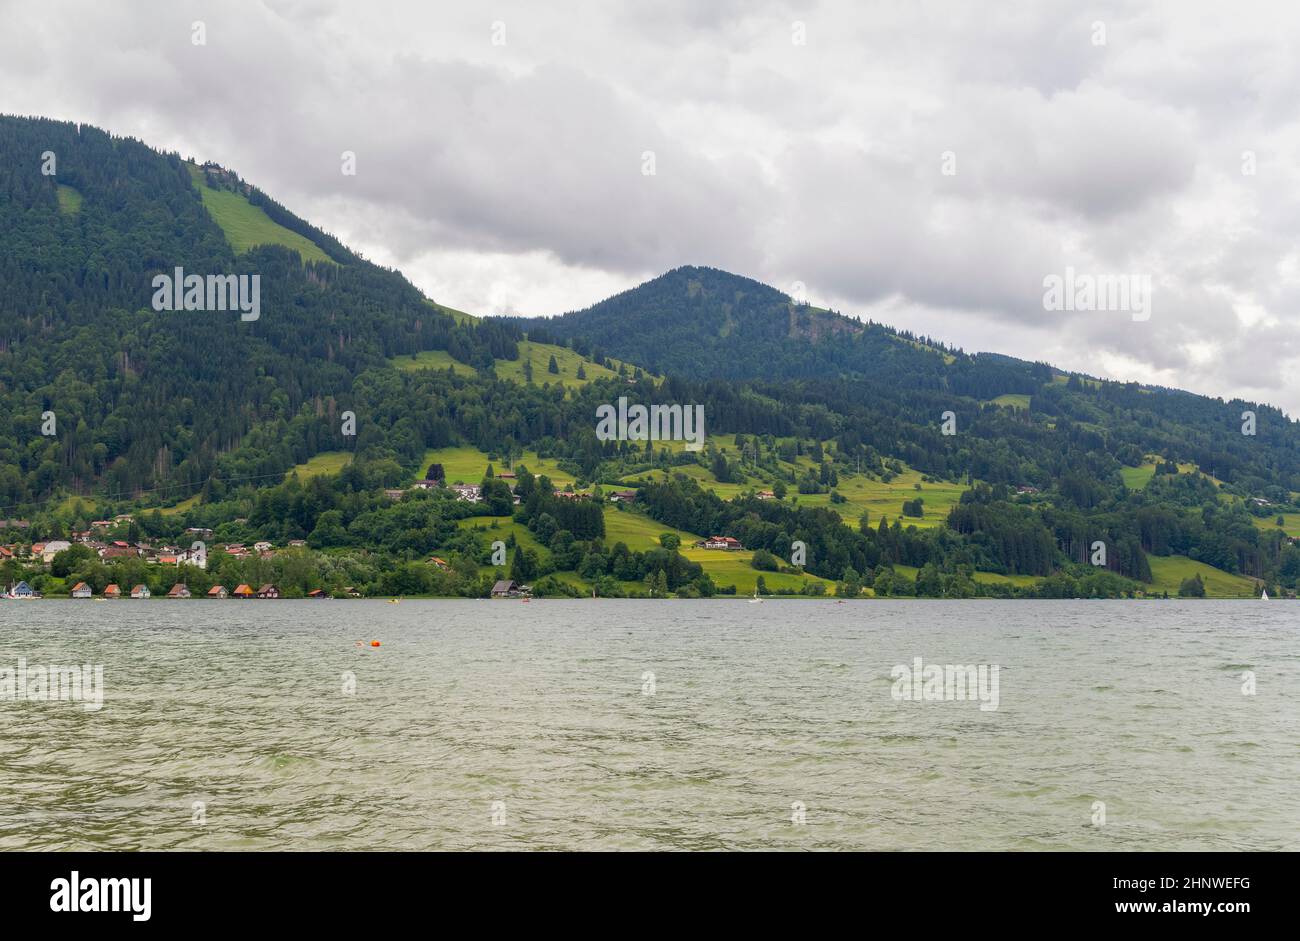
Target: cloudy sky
{"points": [[501, 152]]}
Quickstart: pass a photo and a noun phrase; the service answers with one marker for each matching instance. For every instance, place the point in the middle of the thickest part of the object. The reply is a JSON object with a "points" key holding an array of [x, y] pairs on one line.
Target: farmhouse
{"points": [[622, 496], [720, 542], [510, 589]]}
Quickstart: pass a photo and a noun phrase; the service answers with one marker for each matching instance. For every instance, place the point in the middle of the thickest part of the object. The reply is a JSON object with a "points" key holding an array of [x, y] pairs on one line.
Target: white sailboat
{"points": [[755, 599], [1263, 594]]}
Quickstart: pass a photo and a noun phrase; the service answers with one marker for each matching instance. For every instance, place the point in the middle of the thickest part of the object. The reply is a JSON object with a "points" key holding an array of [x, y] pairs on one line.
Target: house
{"points": [[765, 495], [425, 484], [199, 531], [1022, 491], [317, 593], [297, 543], [179, 590], [470, 493], [22, 590], [243, 591], [569, 495], [351, 592], [507, 476], [101, 524], [123, 518], [116, 552], [218, 591], [168, 560], [140, 591], [112, 591], [52, 548], [261, 546], [394, 494], [507, 588], [440, 563], [622, 496], [81, 590], [268, 591], [720, 542]]}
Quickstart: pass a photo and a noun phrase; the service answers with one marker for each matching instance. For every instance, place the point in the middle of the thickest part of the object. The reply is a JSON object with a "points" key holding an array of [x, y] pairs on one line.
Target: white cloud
{"points": [[507, 178]]}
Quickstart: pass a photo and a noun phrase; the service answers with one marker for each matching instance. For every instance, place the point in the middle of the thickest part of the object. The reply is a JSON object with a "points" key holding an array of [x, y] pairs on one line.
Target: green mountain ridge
{"points": [[842, 420]]}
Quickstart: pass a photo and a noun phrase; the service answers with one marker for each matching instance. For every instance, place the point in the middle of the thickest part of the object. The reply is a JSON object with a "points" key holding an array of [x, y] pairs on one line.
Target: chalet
{"points": [[317, 593], [112, 591], [720, 542], [22, 590], [622, 496], [219, 592], [81, 590], [268, 591], [140, 591], [765, 495], [507, 588], [179, 590], [261, 546], [470, 493], [243, 591]]}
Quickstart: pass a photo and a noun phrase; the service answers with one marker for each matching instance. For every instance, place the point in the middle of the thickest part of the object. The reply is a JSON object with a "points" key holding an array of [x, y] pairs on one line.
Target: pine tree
{"points": [[553, 367]]}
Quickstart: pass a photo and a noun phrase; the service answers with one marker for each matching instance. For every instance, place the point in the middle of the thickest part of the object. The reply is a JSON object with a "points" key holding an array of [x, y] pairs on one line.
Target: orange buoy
{"points": [[374, 643]]}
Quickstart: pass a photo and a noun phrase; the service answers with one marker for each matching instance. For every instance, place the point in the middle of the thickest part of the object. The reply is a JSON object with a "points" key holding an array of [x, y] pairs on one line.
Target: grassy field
{"points": [[181, 507], [880, 498], [247, 225], [733, 568], [1290, 525], [1011, 400], [640, 532], [327, 462], [69, 200], [432, 359], [1168, 572], [1136, 478], [467, 464], [993, 578], [566, 360]]}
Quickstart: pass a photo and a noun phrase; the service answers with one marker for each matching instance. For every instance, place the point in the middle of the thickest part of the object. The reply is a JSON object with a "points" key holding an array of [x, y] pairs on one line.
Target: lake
{"points": [[653, 725]]}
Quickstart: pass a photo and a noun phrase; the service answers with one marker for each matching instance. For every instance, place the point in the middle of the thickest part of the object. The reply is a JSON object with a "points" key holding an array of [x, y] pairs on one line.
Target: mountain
{"points": [[311, 421]]}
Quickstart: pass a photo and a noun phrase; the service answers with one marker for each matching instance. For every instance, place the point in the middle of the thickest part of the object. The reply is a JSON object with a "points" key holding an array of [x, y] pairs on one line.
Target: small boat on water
{"points": [[755, 599], [1263, 594]]}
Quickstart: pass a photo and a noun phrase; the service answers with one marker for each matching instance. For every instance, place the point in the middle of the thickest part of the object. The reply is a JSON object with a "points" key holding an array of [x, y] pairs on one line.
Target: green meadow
{"points": [[247, 226]]}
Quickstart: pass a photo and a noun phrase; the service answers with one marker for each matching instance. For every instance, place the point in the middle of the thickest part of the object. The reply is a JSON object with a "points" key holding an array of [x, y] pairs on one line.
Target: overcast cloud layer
{"points": [[500, 153]]}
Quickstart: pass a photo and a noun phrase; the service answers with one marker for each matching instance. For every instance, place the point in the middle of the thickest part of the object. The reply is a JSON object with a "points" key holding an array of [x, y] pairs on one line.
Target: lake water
{"points": [[503, 725]]}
